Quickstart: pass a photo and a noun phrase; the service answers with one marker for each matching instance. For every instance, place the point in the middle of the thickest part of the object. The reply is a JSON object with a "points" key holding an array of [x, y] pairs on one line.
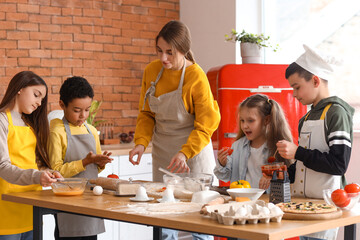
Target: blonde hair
{"points": [[177, 35], [278, 127]]}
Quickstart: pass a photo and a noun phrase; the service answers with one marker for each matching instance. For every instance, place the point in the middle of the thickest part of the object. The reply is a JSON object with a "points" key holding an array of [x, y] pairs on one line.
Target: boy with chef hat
{"points": [[325, 132]]}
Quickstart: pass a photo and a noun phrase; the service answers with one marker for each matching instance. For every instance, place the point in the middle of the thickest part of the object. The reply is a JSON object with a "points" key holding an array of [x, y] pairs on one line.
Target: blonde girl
{"points": [[24, 132], [262, 124]]}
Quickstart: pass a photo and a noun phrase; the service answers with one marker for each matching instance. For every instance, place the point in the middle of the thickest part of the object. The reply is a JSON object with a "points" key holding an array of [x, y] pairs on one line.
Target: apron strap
{"points": [[152, 87], [323, 113], [182, 76], [8, 114]]}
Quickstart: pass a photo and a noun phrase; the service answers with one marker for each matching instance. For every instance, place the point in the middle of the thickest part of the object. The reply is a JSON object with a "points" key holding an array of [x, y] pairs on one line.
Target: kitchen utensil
{"points": [[280, 187], [69, 186], [272, 159], [168, 172], [205, 196]]}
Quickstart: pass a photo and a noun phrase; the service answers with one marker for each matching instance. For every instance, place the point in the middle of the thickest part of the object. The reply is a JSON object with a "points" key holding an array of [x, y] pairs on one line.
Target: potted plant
{"points": [[250, 45], [95, 105]]}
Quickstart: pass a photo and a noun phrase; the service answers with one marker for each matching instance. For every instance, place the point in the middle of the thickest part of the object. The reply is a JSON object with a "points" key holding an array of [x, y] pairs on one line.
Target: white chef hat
{"points": [[318, 63]]}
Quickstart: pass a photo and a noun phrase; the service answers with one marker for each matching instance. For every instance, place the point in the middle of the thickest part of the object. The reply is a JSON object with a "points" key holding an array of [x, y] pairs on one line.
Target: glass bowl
{"points": [[353, 199], [269, 169], [69, 186], [252, 193], [193, 182]]}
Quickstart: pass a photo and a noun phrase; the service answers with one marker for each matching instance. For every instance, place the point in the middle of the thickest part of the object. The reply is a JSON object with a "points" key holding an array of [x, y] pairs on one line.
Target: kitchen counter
{"points": [[123, 148], [104, 206]]}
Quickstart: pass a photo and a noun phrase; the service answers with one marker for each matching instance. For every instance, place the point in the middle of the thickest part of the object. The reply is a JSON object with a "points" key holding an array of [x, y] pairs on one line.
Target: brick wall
{"points": [[109, 42]]}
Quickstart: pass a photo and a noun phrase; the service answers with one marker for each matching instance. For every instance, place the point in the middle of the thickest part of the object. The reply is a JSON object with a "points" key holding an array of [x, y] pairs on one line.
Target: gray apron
{"points": [[312, 136], [173, 125], [78, 146]]}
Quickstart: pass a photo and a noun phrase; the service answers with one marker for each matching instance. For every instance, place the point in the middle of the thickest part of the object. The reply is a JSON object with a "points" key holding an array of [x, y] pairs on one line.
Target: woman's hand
{"points": [[178, 162], [222, 157], [264, 182], [286, 149], [99, 159], [47, 178], [137, 150]]}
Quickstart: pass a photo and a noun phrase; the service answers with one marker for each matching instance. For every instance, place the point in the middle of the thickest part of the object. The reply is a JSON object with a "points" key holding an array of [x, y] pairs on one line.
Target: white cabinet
{"points": [[117, 230]]}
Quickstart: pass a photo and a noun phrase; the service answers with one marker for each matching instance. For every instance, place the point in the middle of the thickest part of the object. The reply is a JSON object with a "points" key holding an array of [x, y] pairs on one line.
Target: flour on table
{"points": [[160, 208]]}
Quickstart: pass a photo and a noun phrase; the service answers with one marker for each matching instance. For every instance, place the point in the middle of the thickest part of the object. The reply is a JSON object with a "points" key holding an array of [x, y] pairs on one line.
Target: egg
{"points": [[98, 190]]}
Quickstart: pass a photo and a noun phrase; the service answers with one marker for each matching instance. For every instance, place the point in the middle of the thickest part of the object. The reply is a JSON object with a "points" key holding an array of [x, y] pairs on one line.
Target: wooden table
{"points": [[46, 202]]}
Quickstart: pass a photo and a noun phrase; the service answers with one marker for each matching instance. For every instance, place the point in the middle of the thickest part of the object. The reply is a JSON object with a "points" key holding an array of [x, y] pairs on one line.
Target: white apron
{"points": [[309, 183], [78, 146], [173, 125]]}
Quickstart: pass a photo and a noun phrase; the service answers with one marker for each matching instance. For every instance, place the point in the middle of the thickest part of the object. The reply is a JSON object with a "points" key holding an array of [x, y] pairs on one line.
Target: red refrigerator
{"points": [[233, 83]]}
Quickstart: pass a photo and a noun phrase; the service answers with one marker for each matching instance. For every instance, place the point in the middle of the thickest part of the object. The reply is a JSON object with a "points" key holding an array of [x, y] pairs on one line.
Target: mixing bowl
{"points": [[193, 182], [69, 186], [353, 199], [252, 193]]}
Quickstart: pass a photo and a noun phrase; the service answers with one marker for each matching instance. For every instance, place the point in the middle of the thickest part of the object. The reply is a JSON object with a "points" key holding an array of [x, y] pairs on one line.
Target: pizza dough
{"points": [[306, 207]]}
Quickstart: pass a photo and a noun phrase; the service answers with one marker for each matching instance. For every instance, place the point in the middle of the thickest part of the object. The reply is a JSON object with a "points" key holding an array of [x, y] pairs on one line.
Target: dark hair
{"points": [[278, 127], [296, 68], [37, 120], [75, 87], [177, 35]]}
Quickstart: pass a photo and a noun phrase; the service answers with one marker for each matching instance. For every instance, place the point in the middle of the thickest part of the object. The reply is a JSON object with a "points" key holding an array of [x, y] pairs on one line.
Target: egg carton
{"points": [[252, 212]]}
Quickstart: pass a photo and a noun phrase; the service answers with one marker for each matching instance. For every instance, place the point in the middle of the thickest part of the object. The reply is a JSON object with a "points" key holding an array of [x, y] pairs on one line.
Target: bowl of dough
{"points": [[193, 182], [69, 186]]}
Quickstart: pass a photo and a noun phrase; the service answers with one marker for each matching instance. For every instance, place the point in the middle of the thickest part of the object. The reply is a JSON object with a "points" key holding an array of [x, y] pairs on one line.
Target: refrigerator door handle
{"points": [[230, 135], [260, 89]]}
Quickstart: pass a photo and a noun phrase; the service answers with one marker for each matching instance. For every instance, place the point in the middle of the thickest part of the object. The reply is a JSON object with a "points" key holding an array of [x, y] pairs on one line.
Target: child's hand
{"points": [[99, 159], [222, 156], [286, 149], [47, 178], [264, 182]]}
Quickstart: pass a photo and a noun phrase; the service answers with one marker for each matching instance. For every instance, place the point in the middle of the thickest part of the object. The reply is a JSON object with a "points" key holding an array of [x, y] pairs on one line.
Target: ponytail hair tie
{"points": [[268, 100]]}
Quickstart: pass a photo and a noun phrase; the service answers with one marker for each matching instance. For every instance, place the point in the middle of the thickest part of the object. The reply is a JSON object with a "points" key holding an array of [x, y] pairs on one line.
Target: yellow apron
{"points": [[15, 217]]}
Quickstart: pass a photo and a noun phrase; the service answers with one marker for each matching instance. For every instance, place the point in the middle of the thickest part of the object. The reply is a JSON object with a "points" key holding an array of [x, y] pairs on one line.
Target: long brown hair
{"points": [[37, 120], [277, 129], [177, 35]]}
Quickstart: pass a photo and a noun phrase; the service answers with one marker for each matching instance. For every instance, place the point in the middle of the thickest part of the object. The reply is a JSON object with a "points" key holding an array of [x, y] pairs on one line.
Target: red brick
{"points": [[49, 28], [70, 29], [83, 20], [148, 19], [102, 89], [103, 56], [121, 24], [59, 71], [36, 18], [140, 42], [45, 10], [93, 46], [112, 64], [103, 21], [92, 12], [83, 37], [40, 53], [122, 72], [61, 20], [29, 8], [122, 56], [112, 48], [112, 97], [172, 14], [113, 81], [72, 63], [14, 70], [130, 97], [8, 7], [27, 26], [41, 71], [123, 89], [130, 17], [131, 49], [15, 53], [153, 4], [45, 62], [156, 11], [40, 36], [50, 45], [61, 54], [122, 40], [149, 35], [121, 105], [8, 62], [167, 5], [72, 12], [2, 16], [7, 25], [73, 45], [111, 31], [141, 58], [139, 26], [40, 2], [133, 2], [17, 35], [131, 65], [102, 5], [83, 54], [64, 37], [104, 39], [93, 64], [103, 72], [28, 44], [29, 62], [92, 29], [2, 34], [148, 50], [111, 14], [129, 113]]}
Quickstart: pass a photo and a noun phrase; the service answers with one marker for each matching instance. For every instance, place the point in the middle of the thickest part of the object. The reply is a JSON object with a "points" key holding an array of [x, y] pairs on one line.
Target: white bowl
{"points": [[252, 193]]}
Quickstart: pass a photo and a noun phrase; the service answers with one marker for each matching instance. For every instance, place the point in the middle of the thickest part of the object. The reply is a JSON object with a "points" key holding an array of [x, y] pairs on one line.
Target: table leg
{"points": [[157, 233], [37, 223], [350, 232]]}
